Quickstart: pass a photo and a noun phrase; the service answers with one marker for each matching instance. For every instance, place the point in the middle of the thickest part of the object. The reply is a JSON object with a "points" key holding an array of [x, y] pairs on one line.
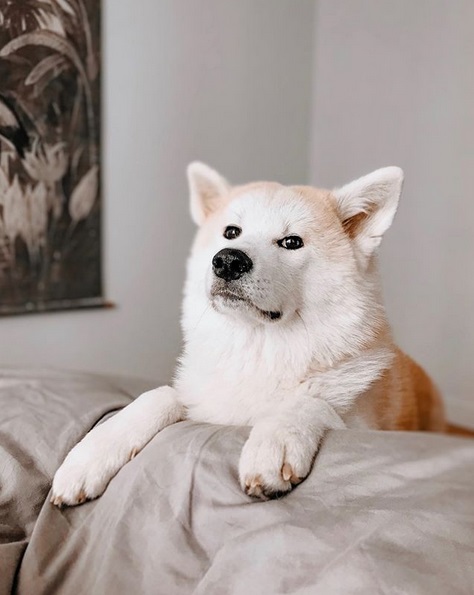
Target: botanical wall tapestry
{"points": [[50, 245]]}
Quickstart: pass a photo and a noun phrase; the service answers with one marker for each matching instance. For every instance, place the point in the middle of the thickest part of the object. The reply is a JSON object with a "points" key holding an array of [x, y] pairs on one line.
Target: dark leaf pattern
{"points": [[50, 183]]}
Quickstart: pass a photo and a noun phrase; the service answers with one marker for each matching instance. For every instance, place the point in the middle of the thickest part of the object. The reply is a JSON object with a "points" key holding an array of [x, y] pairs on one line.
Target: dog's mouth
{"points": [[229, 298]]}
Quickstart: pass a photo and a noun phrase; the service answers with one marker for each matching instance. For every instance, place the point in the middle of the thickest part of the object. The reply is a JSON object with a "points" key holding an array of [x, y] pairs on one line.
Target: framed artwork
{"points": [[50, 206]]}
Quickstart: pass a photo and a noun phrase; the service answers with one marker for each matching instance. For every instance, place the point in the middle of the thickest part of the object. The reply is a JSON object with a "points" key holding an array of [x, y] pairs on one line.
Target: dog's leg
{"points": [[280, 449], [93, 462]]}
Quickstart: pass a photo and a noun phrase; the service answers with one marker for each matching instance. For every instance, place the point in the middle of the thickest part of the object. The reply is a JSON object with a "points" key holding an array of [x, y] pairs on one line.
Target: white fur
{"points": [[291, 379], [289, 437], [206, 187], [91, 464]]}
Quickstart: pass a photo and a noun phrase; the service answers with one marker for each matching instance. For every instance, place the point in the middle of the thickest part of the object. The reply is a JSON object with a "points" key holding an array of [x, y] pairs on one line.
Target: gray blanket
{"points": [[380, 512]]}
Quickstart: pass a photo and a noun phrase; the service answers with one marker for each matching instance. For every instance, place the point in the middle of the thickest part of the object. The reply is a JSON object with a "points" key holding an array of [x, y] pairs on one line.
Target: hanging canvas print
{"points": [[50, 249]]}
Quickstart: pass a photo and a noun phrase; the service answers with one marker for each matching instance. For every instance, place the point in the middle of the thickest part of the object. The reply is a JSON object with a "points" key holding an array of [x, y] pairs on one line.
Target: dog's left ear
{"points": [[367, 206], [207, 188]]}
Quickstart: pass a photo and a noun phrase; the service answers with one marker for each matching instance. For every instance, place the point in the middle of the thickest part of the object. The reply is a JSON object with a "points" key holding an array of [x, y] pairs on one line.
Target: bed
{"points": [[380, 512]]}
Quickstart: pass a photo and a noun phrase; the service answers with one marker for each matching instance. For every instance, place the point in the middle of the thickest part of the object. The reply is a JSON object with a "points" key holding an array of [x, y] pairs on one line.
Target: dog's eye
{"points": [[231, 232], [291, 242]]}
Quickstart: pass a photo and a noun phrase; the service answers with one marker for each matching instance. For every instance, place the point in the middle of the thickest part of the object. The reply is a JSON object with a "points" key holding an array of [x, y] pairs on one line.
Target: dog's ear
{"points": [[367, 206], [207, 188]]}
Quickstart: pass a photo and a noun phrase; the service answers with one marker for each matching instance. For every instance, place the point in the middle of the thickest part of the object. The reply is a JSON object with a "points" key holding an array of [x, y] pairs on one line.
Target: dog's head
{"points": [[269, 254]]}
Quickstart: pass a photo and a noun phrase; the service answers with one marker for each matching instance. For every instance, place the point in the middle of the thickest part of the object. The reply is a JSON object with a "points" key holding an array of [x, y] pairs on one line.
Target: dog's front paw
{"points": [[274, 459], [90, 466]]}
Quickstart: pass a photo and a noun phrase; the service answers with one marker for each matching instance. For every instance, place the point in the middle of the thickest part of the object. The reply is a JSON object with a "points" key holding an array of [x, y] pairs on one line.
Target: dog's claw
{"points": [[255, 482], [286, 472], [56, 501], [289, 475], [254, 487]]}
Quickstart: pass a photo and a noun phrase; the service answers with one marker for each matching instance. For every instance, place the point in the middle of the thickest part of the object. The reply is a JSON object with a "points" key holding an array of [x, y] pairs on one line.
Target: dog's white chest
{"points": [[233, 390]]}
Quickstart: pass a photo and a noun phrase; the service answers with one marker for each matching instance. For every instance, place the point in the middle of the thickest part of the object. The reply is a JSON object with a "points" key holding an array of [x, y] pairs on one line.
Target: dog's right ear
{"points": [[207, 188]]}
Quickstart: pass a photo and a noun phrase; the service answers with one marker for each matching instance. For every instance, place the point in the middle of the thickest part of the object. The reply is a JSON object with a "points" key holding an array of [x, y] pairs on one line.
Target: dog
{"points": [[284, 331]]}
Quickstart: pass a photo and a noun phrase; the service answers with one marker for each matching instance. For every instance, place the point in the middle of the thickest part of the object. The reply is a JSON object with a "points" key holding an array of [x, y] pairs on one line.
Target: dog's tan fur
{"points": [[404, 398]]}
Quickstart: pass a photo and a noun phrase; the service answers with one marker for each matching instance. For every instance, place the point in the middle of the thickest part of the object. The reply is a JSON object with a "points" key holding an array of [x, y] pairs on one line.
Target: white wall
{"points": [[230, 83], [394, 85], [220, 80]]}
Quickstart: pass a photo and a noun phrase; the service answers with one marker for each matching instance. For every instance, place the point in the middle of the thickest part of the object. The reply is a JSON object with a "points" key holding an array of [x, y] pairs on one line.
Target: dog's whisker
{"points": [[308, 336], [206, 309]]}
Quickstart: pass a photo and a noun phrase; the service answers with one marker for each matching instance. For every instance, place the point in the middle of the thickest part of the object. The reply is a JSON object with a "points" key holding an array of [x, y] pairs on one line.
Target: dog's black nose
{"points": [[230, 264]]}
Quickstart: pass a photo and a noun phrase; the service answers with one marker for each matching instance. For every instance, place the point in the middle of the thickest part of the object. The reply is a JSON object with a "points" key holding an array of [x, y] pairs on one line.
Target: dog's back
{"points": [[405, 398]]}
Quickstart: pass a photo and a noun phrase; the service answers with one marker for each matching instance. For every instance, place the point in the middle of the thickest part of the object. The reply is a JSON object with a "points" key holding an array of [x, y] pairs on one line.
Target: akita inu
{"points": [[284, 330]]}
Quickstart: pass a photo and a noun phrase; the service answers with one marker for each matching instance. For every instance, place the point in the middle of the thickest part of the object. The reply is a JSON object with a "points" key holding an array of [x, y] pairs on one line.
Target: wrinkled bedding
{"points": [[380, 513]]}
